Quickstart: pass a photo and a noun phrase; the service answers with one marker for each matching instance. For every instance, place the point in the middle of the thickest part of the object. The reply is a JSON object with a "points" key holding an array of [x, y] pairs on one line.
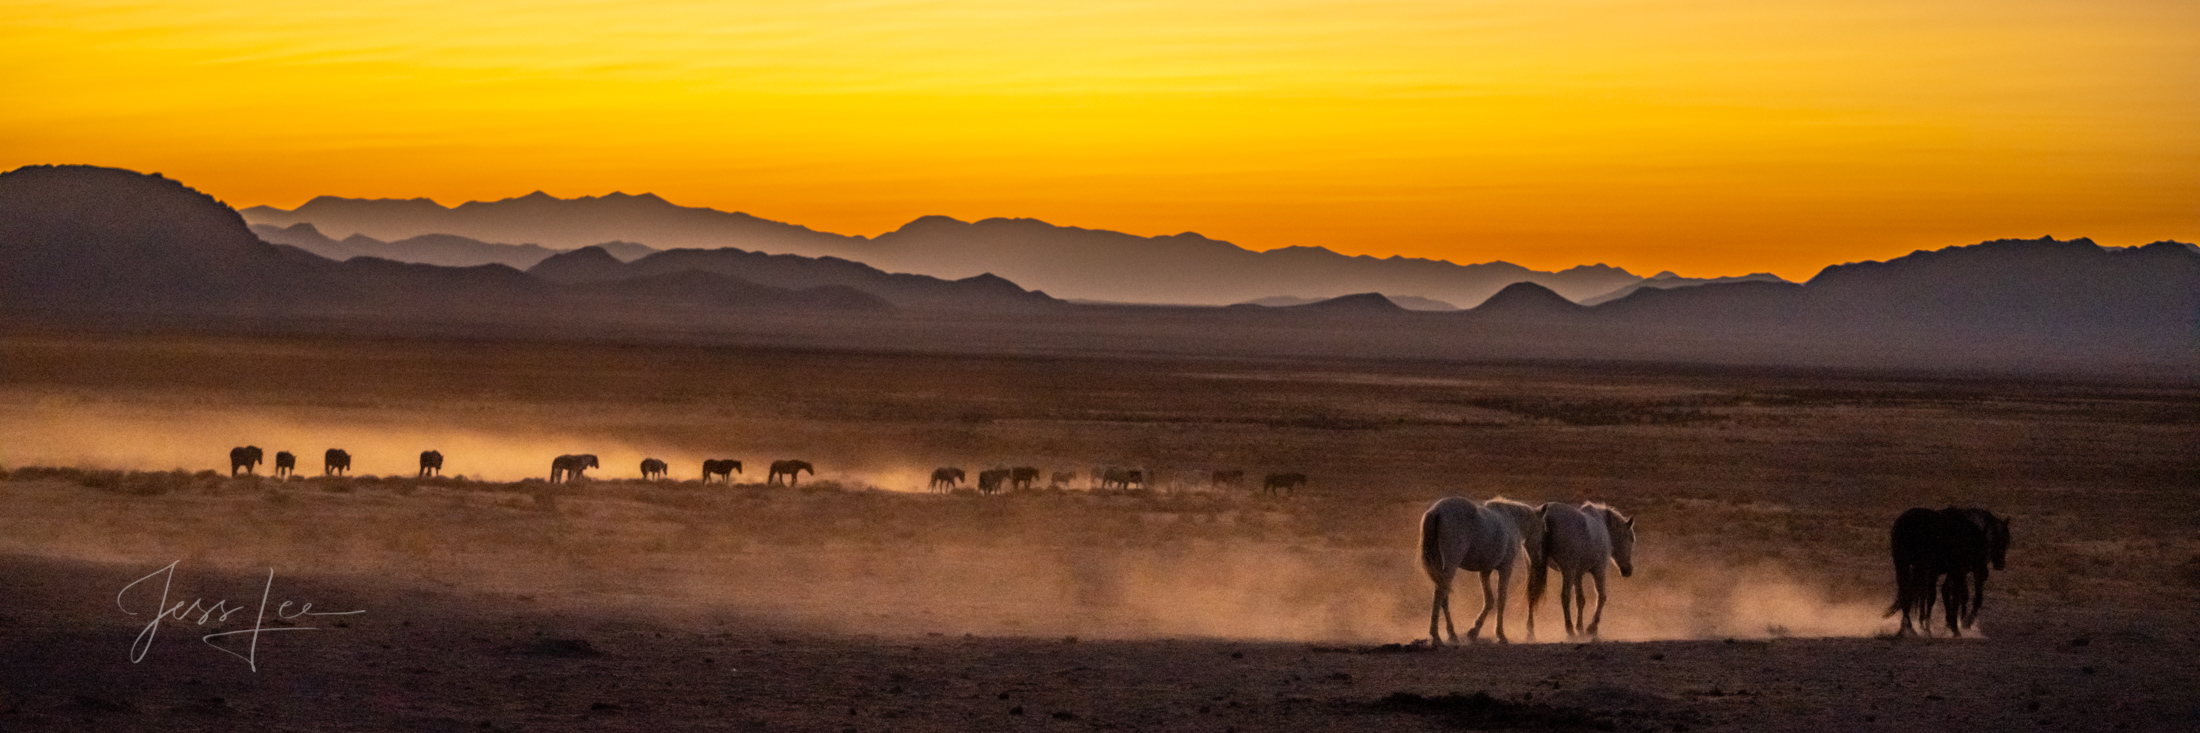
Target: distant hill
{"points": [[77, 242], [1667, 280], [1407, 302], [449, 250], [1068, 262], [988, 292]]}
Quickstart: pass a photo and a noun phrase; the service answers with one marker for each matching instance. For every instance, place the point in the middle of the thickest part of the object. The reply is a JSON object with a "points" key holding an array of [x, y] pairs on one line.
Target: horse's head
{"points": [[1622, 530], [589, 460]]}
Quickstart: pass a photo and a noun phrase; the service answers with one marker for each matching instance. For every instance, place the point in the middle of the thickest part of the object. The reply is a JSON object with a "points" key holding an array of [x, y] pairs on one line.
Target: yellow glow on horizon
{"points": [[1710, 137]]}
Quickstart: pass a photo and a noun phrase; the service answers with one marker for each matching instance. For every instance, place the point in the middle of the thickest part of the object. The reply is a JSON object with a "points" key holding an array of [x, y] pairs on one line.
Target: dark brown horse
{"points": [[655, 469], [1021, 477], [1122, 478], [1279, 482], [245, 457], [946, 478], [1958, 544], [790, 469], [335, 462], [723, 468], [991, 480], [431, 462], [285, 464], [571, 466]]}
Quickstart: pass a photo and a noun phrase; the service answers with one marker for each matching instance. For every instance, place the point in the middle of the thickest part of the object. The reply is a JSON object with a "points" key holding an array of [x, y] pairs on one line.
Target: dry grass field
{"points": [[859, 601]]}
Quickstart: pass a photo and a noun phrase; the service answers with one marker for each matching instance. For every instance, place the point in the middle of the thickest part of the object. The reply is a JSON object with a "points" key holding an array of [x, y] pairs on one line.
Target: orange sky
{"points": [[1713, 137]]}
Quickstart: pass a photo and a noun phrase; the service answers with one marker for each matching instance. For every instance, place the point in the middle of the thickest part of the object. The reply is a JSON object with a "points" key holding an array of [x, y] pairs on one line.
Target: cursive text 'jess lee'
{"points": [[197, 612]]}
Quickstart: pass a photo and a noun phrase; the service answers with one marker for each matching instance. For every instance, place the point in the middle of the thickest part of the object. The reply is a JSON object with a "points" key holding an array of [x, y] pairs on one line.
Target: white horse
{"points": [[1461, 533], [1528, 521], [1583, 539]]}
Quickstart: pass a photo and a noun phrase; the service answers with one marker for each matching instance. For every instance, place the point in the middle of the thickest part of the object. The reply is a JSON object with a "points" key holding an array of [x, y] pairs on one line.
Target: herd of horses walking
{"points": [[1945, 555], [1946, 552]]}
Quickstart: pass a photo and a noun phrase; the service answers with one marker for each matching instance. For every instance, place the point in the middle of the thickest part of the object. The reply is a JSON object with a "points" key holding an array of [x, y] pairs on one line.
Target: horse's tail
{"points": [[1539, 562], [1432, 550]]}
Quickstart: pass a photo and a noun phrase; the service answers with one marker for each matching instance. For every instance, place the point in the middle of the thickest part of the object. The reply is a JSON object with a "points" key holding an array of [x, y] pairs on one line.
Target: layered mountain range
{"points": [[1069, 262], [81, 244]]}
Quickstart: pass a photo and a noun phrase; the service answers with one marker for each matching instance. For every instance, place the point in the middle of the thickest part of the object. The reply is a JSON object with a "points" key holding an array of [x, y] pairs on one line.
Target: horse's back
{"points": [[1577, 540], [1468, 535]]}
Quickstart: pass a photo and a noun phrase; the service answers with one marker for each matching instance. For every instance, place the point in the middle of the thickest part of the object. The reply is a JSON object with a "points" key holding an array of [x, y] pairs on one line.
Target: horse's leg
{"points": [[1954, 597], [1504, 594], [1476, 632], [1594, 622], [1978, 598], [1566, 600], [1442, 604]]}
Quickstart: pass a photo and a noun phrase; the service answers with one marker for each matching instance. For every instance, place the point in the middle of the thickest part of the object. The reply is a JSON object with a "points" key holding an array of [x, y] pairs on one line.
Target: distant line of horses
{"points": [[1946, 552]]}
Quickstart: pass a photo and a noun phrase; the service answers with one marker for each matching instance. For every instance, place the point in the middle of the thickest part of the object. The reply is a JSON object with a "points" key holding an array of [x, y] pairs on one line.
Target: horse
{"points": [[285, 464], [571, 466], [1528, 521], [790, 469], [1021, 477], [721, 467], [946, 478], [1122, 478], [990, 480], [1957, 543], [1061, 479], [1582, 539], [335, 462], [656, 469], [245, 457], [431, 461], [1226, 479], [1280, 482], [1459, 533]]}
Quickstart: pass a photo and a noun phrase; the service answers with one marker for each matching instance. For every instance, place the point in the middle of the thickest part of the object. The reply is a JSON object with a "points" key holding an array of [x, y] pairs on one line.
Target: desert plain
{"points": [[857, 599]]}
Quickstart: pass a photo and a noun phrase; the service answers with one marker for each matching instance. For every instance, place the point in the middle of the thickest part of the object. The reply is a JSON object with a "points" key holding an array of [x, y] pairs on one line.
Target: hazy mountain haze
{"points": [[1068, 262]]}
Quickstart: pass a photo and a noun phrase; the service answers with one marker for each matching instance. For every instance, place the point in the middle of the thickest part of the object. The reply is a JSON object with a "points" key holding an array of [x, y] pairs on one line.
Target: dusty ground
{"points": [[855, 603]]}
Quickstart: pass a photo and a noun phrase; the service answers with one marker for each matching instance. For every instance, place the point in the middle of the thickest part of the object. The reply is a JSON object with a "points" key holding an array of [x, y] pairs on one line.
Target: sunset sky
{"points": [[1715, 137]]}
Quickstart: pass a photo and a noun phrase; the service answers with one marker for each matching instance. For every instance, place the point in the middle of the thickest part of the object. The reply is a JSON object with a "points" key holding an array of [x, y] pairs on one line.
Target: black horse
{"points": [[1958, 544], [655, 469], [1280, 482], [790, 469], [1021, 477], [245, 457], [568, 467], [946, 478], [723, 468], [431, 462], [285, 463], [991, 480], [335, 462]]}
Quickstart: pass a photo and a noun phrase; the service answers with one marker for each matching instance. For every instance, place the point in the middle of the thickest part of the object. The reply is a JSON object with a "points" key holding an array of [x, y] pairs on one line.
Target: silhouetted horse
{"points": [[655, 469], [1959, 544], [721, 467], [285, 464], [1061, 479], [790, 469], [335, 462], [1226, 479], [571, 466], [1280, 482], [431, 461], [946, 479], [245, 457], [1122, 478], [1459, 533], [1022, 476], [990, 481]]}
